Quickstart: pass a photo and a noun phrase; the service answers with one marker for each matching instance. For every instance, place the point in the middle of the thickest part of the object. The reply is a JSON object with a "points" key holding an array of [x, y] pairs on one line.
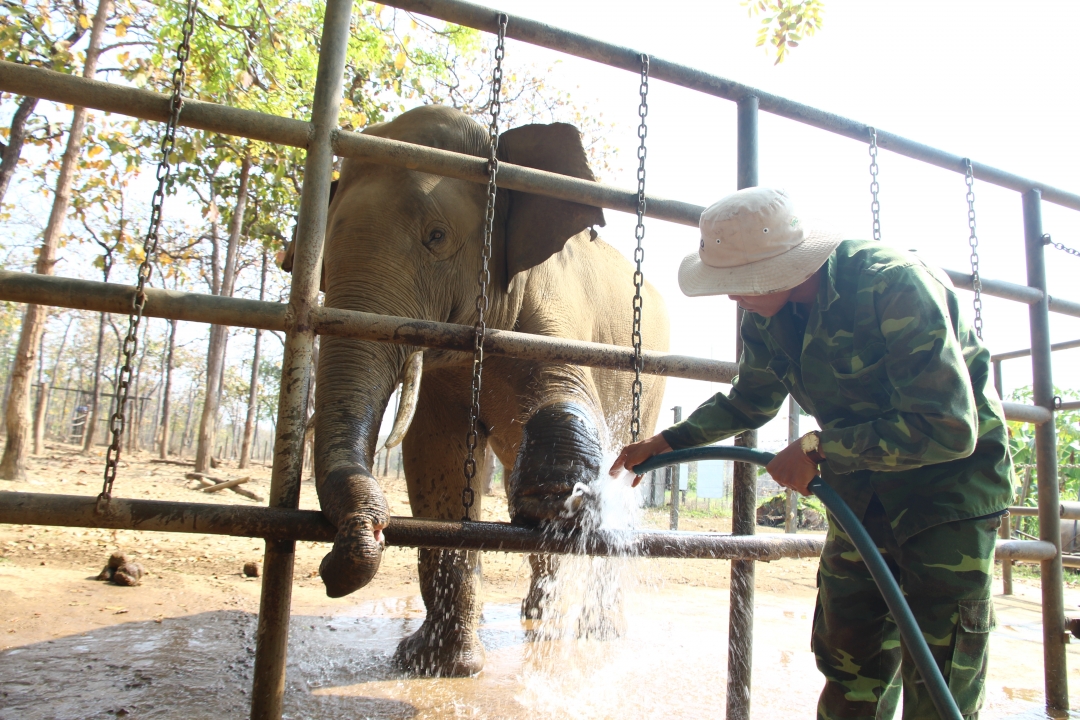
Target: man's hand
{"points": [[637, 453], [791, 468]]}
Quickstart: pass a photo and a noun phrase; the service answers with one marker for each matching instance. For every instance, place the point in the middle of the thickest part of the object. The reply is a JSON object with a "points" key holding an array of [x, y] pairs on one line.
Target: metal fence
{"points": [[282, 524]]}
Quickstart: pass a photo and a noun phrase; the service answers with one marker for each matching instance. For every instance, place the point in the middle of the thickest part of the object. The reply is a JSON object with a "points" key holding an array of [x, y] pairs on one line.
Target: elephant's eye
{"points": [[434, 238]]}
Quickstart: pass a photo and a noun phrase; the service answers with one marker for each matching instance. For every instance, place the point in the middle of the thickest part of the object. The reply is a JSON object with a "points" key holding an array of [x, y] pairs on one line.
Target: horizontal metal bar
{"points": [[1013, 354], [1031, 550], [997, 288], [544, 35], [18, 508], [114, 298], [1072, 405], [148, 105], [1013, 291], [1069, 511], [1070, 561], [59, 87], [108, 297], [1026, 413], [507, 343], [510, 177]]}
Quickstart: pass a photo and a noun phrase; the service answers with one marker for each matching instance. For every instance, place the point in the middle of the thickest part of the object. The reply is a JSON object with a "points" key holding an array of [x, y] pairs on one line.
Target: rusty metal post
{"points": [[673, 474], [791, 504], [998, 385], [1053, 601], [1005, 533], [272, 637], [744, 490]]}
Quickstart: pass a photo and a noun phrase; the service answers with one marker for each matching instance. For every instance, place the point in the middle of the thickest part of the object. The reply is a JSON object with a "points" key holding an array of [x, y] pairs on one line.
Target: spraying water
{"points": [[583, 606]]}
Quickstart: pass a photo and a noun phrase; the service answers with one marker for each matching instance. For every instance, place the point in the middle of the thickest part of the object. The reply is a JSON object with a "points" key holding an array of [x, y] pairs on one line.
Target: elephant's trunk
{"points": [[355, 381]]}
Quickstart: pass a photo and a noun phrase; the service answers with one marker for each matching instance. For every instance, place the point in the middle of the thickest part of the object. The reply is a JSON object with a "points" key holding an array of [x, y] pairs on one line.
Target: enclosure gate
{"points": [[283, 524]]}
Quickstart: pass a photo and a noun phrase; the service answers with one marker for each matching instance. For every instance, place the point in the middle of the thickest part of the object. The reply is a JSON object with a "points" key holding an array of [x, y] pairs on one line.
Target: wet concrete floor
{"points": [[670, 663]]}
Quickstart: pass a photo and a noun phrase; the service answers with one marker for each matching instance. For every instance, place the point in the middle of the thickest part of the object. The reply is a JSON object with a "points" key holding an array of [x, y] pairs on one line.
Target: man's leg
{"points": [[856, 642], [946, 575]]}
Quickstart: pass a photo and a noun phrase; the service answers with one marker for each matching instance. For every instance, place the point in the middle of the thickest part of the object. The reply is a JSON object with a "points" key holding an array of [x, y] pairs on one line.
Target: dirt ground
{"points": [[48, 593]]}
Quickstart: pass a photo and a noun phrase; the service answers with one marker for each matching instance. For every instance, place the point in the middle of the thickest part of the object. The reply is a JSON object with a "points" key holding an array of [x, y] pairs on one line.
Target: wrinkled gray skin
{"points": [[407, 243]]}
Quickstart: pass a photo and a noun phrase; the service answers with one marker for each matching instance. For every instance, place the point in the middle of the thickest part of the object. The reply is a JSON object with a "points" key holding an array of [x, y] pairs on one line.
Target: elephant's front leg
{"points": [[434, 453], [560, 447]]}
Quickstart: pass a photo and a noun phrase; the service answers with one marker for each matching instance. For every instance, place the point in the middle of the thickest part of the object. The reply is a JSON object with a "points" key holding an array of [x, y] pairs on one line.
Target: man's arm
{"points": [[933, 416], [755, 398]]}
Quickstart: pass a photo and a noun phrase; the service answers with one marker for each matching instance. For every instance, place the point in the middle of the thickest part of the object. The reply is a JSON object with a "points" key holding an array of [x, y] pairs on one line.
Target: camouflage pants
{"points": [[945, 573]]}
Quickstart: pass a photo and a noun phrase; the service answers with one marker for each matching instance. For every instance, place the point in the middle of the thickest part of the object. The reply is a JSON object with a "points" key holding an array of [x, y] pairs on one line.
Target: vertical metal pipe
{"points": [[744, 490], [274, 608], [1053, 602], [1005, 533], [674, 471], [997, 380], [791, 507]]}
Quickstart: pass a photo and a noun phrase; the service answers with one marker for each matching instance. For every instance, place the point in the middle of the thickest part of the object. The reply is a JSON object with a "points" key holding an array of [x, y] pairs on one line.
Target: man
{"points": [[870, 341]]}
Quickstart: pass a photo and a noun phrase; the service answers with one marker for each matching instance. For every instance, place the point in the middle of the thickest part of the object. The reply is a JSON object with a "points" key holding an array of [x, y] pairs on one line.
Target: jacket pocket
{"points": [[967, 674], [859, 382]]}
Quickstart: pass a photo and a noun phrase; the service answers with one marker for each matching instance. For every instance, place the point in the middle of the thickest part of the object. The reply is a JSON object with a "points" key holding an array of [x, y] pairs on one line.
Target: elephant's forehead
{"points": [[438, 127]]}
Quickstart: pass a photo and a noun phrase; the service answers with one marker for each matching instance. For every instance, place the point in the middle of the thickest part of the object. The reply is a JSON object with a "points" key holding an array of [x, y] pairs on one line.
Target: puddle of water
{"points": [[662, 652]]}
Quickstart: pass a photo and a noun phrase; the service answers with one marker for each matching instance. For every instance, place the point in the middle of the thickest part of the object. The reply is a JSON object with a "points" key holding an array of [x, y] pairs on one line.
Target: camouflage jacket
{"points": [[897, 380]]}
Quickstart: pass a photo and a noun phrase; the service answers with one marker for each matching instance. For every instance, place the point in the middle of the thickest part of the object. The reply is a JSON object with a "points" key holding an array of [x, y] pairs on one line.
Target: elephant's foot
{"points": [[434, 652], [560, 448], [541, 586], [601, 624], [353, 501]]}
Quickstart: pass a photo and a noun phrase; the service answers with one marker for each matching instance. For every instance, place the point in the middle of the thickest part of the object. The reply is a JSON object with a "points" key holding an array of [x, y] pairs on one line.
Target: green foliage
{"points": [[1022, 447], [786, 23]]}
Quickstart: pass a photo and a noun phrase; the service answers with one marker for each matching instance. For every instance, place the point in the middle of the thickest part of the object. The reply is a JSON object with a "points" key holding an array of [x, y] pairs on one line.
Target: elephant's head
{"points": [[407, 243]]}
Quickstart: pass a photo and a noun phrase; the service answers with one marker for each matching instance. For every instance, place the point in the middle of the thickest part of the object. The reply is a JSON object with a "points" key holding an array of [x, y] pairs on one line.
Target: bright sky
{"points": [[994, 81]]}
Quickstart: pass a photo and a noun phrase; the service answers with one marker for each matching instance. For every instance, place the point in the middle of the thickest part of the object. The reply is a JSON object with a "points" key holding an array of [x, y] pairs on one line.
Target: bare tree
{"points": [[215, 357], [253, 390], [166, 405], [13, 463]]}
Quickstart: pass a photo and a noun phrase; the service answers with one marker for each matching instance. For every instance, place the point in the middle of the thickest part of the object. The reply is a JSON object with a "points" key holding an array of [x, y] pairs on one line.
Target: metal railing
{"points": [[301, 319]]}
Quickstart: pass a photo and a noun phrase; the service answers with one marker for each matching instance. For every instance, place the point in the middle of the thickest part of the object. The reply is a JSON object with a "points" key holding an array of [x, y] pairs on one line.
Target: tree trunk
{"points": [[184, 440], [9, 158], [215, 356], [55, 375], [39, 418], [166, 405], [137, 406], [95, 394], [13, 463], [253, 387]]}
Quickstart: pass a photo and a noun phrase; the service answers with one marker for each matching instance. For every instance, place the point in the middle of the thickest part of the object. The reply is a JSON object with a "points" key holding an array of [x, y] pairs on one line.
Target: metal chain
{"points": [[1058, 246], [468, 495], [875, 206], [150, 244], [639, 252], [973, 241]]}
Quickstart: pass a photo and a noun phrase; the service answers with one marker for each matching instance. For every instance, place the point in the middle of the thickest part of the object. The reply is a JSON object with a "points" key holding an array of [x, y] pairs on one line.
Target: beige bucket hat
{"points": [[753, 243]]}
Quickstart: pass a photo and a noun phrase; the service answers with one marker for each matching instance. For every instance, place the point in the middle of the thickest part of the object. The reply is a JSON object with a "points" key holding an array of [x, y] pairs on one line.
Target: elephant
{"points": [[407, 243]]}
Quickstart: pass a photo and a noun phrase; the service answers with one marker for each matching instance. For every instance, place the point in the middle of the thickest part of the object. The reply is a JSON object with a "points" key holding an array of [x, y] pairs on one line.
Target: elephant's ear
{"points": [[537, 227], [285, 258]]}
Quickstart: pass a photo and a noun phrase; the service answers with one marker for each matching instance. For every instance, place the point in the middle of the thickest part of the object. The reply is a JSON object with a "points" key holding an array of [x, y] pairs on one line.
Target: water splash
{"points": [[582, 611]]}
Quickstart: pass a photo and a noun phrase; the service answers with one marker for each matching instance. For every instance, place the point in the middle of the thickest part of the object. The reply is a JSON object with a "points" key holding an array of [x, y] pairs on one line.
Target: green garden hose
{"points": [[894, 598]]}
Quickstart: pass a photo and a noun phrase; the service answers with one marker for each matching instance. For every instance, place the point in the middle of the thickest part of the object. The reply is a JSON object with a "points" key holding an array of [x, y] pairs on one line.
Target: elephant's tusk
{"points": [[410, 393]]}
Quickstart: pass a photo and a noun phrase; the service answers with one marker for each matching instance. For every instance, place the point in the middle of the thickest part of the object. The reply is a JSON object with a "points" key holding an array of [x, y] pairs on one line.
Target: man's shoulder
{"points": [[858, 255], [870, 263]]}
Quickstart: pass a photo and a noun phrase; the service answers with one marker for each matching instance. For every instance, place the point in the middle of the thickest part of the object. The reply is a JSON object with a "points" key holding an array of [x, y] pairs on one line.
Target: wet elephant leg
{"points": [[541, 588], [433, 452], [560, 447]]}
